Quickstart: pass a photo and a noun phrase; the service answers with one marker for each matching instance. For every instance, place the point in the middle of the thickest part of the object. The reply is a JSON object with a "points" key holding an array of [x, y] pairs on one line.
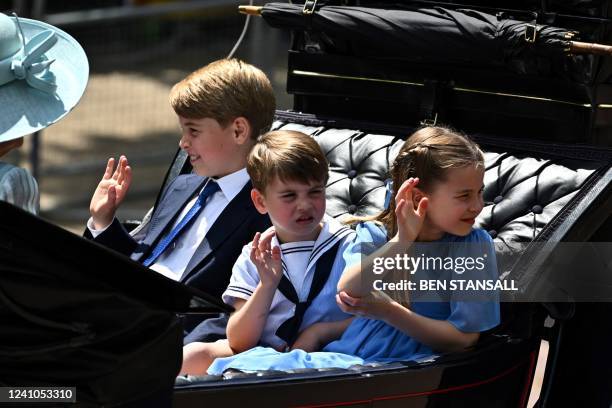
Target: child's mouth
{"points": [[304, 220], [469, 220], [193, 157]]}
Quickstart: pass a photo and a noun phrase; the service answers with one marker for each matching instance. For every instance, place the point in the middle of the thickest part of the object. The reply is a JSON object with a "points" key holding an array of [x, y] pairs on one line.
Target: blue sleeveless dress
{"points": [[368, 340]]}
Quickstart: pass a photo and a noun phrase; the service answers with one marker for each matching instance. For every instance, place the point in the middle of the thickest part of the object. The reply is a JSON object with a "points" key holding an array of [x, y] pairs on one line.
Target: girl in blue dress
{"points": [[440, 174]]}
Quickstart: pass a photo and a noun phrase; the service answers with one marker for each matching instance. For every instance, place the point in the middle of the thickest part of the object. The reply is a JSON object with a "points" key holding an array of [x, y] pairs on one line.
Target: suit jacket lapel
{"points": [[228, 221]]}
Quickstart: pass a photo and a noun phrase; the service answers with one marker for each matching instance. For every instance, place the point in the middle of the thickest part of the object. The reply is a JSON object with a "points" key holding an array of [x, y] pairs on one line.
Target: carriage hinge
{"points": [[309, 7]]}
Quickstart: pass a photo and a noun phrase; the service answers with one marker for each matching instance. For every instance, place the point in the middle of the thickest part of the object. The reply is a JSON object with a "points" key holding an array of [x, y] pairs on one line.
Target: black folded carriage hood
{"points": [[77, 314]]}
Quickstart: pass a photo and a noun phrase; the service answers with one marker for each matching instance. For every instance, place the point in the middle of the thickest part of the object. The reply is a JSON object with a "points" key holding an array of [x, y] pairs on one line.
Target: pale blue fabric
{"points": [[29, 63], [18, 187], [43, 75], [266, 358], [368, 238], [367, 340]]}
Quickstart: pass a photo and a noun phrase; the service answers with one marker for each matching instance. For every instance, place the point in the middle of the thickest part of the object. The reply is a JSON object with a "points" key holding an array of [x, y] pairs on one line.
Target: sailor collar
{"points": [[331, 232]]}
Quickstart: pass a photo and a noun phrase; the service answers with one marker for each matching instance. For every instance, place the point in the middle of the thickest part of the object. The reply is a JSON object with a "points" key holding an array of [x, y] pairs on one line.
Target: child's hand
{"points": [[374, 306], [266, 237], [110, 192], [409, 220], [267, 260]]}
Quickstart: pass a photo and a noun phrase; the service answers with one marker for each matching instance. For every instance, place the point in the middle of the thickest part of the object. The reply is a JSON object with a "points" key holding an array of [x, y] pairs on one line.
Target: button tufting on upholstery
{"points": [[359, 162]]}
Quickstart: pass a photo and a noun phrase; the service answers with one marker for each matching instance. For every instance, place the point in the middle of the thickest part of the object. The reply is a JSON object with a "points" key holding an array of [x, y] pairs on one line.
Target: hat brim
{"points": [[25, 110]]}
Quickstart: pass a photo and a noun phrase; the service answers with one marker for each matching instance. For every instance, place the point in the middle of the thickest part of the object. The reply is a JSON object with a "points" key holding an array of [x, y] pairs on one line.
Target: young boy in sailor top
{"points": [[285, 280]]}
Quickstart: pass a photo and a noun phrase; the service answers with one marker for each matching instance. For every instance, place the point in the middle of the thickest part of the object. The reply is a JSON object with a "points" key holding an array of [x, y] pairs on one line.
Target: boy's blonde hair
{"points": [[288, 155], [428, 154], [224, 90]]}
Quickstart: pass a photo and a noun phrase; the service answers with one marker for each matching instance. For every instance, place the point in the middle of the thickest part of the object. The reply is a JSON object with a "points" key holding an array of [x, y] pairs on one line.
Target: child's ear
{"points": [[242, 130], [259, 201]]}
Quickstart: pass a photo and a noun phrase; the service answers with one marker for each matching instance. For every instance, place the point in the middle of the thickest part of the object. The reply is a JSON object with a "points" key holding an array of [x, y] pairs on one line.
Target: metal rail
{"points": [[130, 12]]}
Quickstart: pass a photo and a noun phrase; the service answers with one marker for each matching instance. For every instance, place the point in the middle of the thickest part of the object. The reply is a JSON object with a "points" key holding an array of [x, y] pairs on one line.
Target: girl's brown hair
{"points": [[428, 154]]}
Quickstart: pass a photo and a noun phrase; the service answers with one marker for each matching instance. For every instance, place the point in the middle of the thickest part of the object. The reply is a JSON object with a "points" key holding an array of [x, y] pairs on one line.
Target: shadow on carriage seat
{"points": [[533, 192]]}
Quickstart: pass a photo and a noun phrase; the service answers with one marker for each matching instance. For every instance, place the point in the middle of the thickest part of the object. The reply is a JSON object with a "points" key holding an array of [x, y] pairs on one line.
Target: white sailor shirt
{"points": [[299, 263]]}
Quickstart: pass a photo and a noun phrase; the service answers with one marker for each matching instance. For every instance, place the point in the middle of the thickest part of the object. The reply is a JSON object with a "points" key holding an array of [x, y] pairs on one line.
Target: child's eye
{"points": [[463, 197], [316, 192], [288, 196]]}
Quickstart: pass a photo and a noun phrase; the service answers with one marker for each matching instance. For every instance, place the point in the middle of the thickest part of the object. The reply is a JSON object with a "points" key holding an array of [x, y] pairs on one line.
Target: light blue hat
{"points": [[43, 74]]}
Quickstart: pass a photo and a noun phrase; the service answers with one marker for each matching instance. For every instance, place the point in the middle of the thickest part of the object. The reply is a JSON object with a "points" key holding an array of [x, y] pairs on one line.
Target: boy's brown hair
{"points": [[224, 90], [288, 155]]}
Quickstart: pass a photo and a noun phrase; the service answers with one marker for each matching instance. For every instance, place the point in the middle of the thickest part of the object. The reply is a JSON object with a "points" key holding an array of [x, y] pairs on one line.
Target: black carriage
{"points": [[545, 123]]}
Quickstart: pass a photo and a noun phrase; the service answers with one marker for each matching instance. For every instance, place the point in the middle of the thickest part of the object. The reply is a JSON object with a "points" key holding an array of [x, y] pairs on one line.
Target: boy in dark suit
{"points": [[202, 221]]}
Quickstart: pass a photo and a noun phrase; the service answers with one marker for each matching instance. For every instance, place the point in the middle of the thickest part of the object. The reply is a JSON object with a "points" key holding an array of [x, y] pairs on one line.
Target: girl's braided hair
{"points": [[428, 154]]}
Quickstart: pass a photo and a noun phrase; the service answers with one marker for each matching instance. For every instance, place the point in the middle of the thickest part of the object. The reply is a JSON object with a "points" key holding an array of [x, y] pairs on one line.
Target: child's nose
{"points": [[183, 141], [477, 204], [303, 204]]}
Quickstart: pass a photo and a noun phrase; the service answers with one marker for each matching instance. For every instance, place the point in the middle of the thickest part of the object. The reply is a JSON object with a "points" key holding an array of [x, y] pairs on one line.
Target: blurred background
{"points": [[137, 50]]}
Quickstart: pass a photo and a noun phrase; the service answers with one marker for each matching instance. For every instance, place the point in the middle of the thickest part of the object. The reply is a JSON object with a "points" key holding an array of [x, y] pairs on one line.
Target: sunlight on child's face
{"points": [[454, 204], [295, 208], [209, 146]]}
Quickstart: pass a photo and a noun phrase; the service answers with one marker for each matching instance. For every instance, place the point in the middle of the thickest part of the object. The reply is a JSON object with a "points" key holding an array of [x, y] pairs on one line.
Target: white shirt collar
{"points": [[231, 184], [331, 232]]}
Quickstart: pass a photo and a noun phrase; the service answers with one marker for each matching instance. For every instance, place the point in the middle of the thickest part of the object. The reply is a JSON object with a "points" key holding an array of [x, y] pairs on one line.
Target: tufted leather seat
{"points": [[523, 191], [530, 189]]}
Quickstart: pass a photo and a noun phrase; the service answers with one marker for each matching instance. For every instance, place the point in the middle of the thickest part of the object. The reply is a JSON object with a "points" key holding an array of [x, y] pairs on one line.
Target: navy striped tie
{"points": [[210, 189]]}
